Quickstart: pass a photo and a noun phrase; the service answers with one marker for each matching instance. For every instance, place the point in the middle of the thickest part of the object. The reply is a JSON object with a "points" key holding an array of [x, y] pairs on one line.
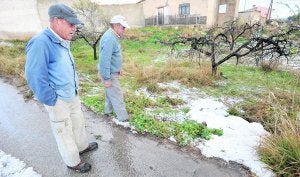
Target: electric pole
{"points": [[268, 17]]}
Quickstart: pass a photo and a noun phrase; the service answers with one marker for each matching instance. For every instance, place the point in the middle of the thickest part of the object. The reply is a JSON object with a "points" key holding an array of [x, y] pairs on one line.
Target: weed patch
{"points": [[12, 59], [96, 103], [281, 150], [184, 132]]}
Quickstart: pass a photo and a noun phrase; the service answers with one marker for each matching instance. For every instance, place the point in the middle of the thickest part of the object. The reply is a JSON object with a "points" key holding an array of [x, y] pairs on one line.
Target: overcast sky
{"points": [[279, 10]]}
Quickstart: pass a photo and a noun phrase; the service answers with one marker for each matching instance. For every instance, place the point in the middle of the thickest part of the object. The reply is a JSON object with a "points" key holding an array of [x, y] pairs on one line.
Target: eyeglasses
{"points": [[71, 24]]}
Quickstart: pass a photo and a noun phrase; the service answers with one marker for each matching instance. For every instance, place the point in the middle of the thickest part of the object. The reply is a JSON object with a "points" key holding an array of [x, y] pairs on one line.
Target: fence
{"points": [[176, 20]]}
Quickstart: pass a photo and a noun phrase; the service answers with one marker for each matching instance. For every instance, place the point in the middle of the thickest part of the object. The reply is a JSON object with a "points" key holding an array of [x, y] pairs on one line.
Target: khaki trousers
{"points": [[68, 127]]}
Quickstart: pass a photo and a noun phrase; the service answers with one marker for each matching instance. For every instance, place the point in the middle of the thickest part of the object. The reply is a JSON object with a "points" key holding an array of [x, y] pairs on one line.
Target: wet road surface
{"points": [[25, 134]]}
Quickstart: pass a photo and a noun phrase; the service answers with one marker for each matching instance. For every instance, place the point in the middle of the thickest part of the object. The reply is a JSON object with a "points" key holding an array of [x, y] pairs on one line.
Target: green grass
{"points": [[244, 80], [184, 132], [96, 103]]}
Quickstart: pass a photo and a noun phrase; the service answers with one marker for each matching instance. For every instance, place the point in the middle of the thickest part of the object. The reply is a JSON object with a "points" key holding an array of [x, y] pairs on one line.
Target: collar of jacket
{"points": [[113, 31], [56, 38]]}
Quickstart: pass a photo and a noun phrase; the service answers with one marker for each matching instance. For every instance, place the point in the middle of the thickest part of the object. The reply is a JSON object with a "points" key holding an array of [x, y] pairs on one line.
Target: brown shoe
{"points": [[92, 146], [82, 167]]}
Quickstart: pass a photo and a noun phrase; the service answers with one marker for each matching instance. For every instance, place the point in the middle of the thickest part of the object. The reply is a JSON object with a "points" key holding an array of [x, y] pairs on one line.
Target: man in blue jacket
{"points": [[110, 67], [51, 75]]}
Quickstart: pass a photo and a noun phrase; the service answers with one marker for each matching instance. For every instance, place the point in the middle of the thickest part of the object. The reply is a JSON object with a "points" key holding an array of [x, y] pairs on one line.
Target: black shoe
{"points": [[82, 167], [125, 120], [108, 114], [92, 146]]}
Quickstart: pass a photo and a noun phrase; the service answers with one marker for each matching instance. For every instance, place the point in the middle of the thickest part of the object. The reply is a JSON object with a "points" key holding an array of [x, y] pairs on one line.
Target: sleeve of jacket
{"points": [[106, 50], [36, 69]]}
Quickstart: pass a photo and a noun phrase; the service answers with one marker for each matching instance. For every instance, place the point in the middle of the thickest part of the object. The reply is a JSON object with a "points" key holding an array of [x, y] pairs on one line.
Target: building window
{"points": [[222, 8], [184, 9]]}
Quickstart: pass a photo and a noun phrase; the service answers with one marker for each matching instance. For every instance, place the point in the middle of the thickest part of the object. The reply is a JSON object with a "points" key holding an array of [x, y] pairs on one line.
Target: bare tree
{"points": [[290, 8], [237, 40], [95, 23]]}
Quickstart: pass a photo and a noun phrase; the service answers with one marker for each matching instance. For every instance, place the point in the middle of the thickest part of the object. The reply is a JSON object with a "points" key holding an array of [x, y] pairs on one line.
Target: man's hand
{"points": [[121, 73], [107, 83]]}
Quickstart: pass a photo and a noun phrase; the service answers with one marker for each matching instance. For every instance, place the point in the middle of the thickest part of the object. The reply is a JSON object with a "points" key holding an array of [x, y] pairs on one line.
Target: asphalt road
{"points": [[25, 134]]}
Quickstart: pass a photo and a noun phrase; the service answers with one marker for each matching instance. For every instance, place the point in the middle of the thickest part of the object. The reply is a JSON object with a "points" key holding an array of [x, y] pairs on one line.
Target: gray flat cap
{"points": [[65, 12]]}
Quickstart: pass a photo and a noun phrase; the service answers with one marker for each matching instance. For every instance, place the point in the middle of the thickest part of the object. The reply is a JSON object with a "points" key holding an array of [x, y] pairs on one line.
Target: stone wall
{"points": [[132, 12], [21, 19]]}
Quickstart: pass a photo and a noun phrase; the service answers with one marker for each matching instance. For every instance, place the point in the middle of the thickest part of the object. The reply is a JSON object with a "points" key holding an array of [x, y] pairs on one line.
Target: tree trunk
{"points": [[95, 51], [214, 66], [214, 69]]}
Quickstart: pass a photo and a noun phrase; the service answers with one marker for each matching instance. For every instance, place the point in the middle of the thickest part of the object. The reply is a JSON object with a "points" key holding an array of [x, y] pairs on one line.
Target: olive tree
{"points": [[238, 40], [95, 23]]}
